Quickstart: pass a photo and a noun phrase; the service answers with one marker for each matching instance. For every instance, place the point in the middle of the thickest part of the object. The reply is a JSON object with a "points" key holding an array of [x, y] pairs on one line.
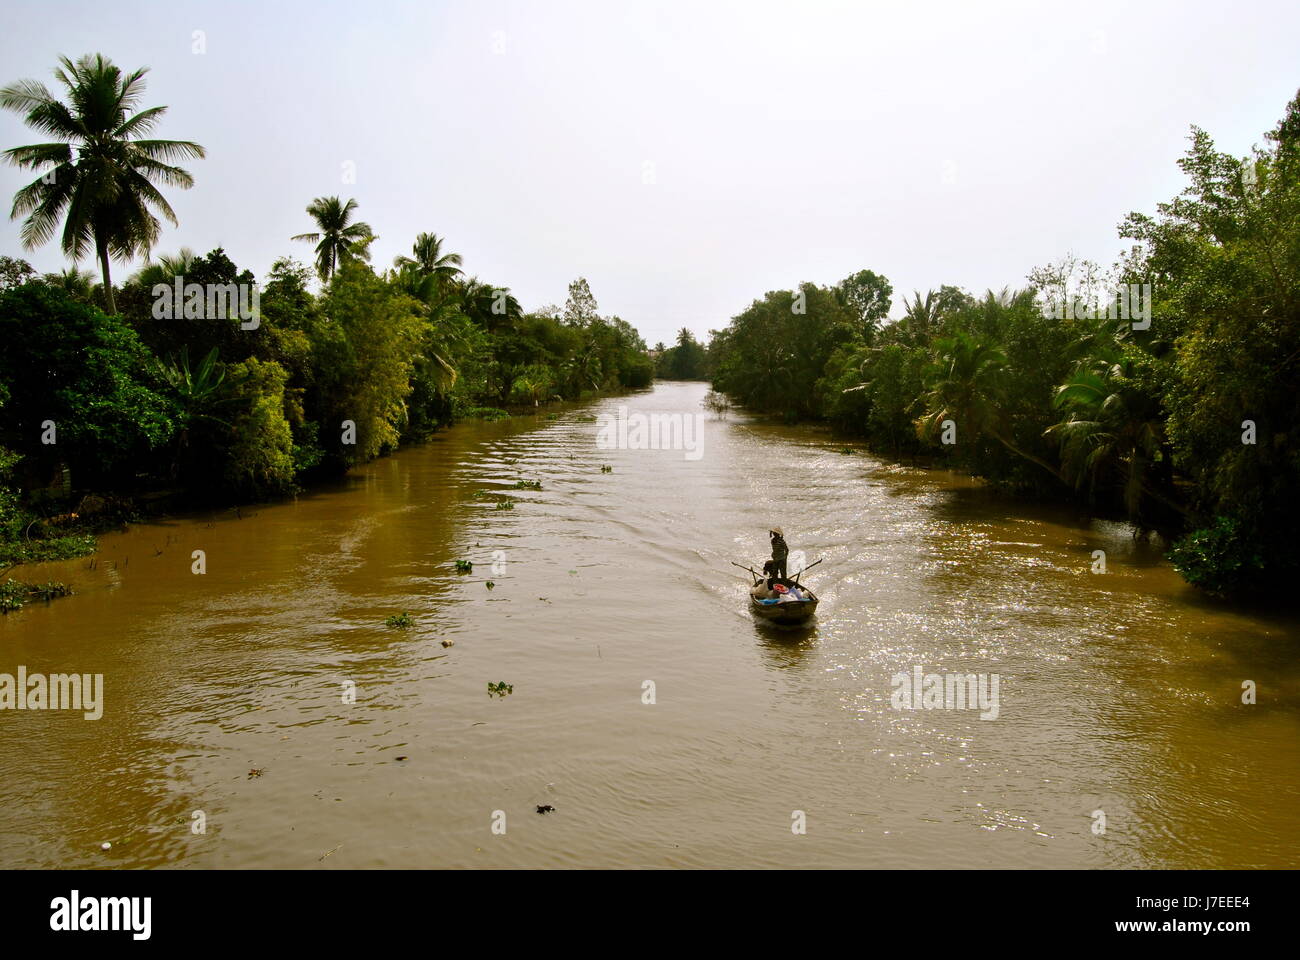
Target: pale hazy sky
{"points": [[934, 143]]}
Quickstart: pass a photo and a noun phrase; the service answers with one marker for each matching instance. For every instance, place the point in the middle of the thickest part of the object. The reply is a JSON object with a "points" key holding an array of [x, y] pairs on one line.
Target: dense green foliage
{"points": [[79, 390], [324, 381], [685, 360], [1186, 424], [774, 353]]}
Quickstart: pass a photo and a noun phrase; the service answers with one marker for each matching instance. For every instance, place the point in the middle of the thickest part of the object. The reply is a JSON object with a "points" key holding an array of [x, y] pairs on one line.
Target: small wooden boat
{"points": [[786, 613]]}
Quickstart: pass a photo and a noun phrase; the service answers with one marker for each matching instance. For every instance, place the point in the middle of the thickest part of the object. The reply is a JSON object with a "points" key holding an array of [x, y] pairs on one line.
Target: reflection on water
{"points": [[1119, 692]]}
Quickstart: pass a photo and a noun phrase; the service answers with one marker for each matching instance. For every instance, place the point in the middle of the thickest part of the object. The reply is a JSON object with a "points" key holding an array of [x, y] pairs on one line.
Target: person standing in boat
{"points": [[779, 554]]}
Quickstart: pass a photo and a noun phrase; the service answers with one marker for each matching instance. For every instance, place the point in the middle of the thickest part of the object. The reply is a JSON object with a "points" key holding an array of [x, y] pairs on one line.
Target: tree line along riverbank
{"points": [[194, 378], [1165, 388]]}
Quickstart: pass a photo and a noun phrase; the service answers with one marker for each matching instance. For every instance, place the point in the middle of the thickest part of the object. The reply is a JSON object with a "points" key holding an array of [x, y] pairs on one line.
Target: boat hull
{"points": [[786, 614], [789, 613]]}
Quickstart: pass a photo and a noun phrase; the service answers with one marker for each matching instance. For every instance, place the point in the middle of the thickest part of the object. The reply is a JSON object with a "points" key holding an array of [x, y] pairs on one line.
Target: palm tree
{"points": [[443, 335], [532, 383], [429, 260], [99, 177], [582, 369], [165, 270], [427, 276], [337, 239], [964, 385], [1113, 427], [921, 316], [76, 283], [490, 307]]}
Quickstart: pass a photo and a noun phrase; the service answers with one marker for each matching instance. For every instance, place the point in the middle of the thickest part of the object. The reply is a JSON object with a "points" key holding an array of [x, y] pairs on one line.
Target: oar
{"points": [[750, 569], [807, 568]]}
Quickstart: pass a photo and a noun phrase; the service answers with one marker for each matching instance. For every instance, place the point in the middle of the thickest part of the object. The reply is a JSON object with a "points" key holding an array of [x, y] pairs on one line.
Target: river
{"points": [[225, 693]]}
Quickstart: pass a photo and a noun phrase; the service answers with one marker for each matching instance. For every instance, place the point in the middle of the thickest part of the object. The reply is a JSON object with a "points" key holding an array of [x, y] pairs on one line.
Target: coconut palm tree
{"points": [[429, 260], [165, 269], [920, 316], [76, 283], [99, 175], [427, 277], [490, 307], [1113, 428], [965, 385], [337, 238]]}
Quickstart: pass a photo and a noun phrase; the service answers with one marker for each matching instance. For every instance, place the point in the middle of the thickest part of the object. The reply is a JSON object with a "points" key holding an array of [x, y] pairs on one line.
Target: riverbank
{"points": [[69, 527]]}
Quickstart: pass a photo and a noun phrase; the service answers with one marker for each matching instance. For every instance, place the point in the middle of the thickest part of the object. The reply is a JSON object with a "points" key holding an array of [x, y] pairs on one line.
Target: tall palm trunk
{"points": [[102, 249]]}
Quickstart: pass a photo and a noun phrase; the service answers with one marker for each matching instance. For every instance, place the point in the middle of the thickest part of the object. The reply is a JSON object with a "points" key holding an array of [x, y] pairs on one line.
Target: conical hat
{"points": [[778, 531]]}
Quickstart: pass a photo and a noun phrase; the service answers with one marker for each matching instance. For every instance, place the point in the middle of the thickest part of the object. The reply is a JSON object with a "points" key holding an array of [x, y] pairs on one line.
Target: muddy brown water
{"points": [[1118, 692]]}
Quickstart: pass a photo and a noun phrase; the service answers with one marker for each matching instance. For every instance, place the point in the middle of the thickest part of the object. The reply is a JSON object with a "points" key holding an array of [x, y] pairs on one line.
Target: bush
{"points": [[485, 413], [1220, 559], [260, 457], [70, 363], [365, 358]]}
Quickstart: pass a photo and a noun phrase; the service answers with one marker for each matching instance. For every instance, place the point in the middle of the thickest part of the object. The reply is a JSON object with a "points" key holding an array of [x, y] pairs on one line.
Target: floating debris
{"points": [[500, 689], [256, 772], [449, 643], [14, 593], [401, 620], [545, 808], [464, 566]]}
